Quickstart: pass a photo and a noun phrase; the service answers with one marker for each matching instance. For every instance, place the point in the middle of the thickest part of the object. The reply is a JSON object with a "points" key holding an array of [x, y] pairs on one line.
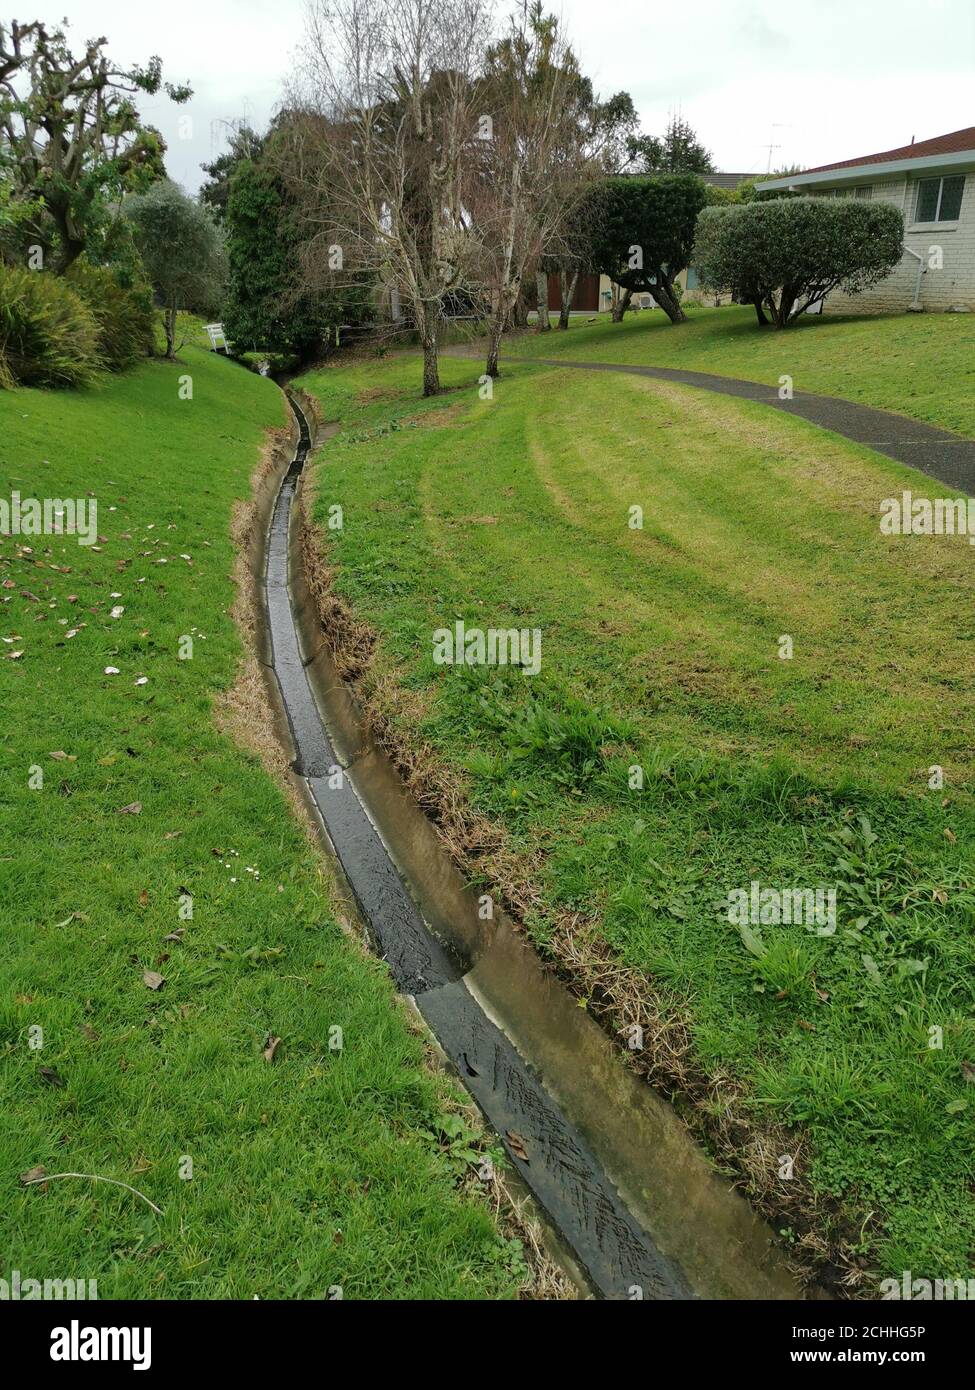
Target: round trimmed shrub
{"points": [[789, 253]]}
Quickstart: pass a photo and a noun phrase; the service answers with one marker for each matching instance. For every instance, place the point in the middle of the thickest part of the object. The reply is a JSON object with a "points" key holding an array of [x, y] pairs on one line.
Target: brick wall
{"points": [[940, 289]]}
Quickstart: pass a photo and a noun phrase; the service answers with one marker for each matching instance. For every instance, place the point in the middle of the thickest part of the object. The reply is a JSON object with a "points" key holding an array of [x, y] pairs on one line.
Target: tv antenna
{"points": [[776, 125]]}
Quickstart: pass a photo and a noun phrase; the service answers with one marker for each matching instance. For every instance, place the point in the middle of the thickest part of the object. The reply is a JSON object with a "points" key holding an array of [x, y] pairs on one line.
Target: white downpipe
{"points": [[921, 270]]}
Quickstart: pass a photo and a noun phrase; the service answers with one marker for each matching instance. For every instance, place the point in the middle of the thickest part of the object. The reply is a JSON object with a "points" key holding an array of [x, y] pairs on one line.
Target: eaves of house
{"points": [[953, 152]]}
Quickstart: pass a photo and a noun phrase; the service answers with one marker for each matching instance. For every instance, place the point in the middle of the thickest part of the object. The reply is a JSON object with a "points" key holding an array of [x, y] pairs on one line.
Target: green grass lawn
{"points": [[321, 1168], [661, 651], [921, 365]]}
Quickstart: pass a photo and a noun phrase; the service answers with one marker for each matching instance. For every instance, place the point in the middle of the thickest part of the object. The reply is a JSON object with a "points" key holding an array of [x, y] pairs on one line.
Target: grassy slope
{"points": [[322, 1169], [917, 364], [660, 648]]}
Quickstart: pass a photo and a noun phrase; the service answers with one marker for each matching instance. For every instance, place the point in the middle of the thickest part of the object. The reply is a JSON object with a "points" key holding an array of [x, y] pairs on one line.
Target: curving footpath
{"points": [[942, 455]]}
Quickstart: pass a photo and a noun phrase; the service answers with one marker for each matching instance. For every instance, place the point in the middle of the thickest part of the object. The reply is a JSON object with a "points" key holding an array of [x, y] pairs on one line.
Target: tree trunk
{"points": [[431, 350], [519, 314], [70, 246], [663, 293], [621, 306], [782, 311], [68, 253], [567, 285], [541, 288], [760, 313], [494, 344], [169, 321]]}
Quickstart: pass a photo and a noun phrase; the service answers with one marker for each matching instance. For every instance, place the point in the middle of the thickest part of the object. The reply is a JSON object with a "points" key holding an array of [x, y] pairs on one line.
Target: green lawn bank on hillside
{"points": [[668, 755], [921, 365], [326, 1168]]}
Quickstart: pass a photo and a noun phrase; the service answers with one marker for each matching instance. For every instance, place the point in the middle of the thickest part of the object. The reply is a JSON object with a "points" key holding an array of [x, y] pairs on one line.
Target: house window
{"points": [[863, 190], [939, 200]]}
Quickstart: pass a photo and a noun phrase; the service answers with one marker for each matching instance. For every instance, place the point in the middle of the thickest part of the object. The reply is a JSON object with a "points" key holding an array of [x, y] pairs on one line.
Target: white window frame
{"points": [[930, 221], [855, 190]]}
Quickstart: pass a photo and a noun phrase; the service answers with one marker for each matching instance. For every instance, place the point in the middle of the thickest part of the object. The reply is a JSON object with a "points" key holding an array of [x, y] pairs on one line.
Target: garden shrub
{"points": [[48, 334], [789, 253], [641, 234], [125, 315]]}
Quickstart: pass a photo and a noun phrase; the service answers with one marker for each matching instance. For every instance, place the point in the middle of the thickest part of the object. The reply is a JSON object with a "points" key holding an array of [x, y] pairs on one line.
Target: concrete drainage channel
{"points": [[632, 1205]]}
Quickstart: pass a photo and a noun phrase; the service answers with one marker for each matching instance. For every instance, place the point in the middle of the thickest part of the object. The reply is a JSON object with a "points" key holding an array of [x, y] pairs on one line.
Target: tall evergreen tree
{"points": [[679, 151]]}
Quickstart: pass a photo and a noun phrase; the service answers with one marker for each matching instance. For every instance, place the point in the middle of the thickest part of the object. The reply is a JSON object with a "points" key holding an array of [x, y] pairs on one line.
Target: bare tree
{"points": [[548, 137], [606, 129], [527, 171], [387, 97]]}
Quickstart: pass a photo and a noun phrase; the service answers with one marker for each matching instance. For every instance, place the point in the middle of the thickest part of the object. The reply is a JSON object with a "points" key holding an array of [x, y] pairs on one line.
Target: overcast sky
{"points": [[820, 80]]}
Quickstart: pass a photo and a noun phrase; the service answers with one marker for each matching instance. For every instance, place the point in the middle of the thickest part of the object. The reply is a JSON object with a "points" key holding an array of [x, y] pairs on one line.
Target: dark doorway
{"points": [[584, 301]]}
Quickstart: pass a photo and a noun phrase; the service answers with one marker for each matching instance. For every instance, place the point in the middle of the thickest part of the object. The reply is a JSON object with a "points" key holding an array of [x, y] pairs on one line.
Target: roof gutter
{"points": [[854, 173]]}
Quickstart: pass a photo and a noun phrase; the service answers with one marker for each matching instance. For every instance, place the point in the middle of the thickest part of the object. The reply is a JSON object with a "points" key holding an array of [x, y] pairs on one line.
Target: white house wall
{"points": [[953, 284]]}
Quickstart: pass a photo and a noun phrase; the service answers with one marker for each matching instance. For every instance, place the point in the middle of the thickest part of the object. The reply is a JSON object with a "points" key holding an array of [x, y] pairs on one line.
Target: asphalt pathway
{"points": [[940, 454]]}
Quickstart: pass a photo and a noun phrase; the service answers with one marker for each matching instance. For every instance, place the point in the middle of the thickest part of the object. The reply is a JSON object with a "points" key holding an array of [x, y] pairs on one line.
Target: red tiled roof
{"points": [[953, 143]]}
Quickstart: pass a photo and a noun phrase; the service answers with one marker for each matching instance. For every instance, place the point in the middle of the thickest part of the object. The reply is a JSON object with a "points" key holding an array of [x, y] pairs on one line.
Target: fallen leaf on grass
{"points": [[271, 1047], [69, 919], [33, 1175], [950, 836], [134, 808], [59, 755], [517, 1145], [152, 979], [968, 1072], [52, 1077]]}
